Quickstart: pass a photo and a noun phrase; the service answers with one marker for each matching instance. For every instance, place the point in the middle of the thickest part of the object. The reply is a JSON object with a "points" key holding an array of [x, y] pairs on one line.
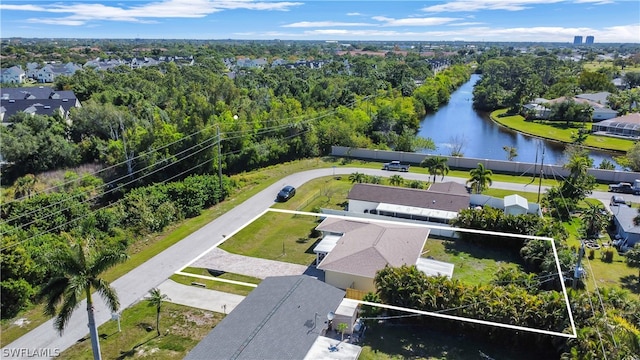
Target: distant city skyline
{"points": [[608, 21]]}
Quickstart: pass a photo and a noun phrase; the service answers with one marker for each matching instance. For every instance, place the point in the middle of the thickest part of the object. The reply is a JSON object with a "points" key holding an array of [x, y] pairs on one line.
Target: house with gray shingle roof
{"points": [[416, 204], [627, 232], [351, 252], [40, 100], [282, 318]]}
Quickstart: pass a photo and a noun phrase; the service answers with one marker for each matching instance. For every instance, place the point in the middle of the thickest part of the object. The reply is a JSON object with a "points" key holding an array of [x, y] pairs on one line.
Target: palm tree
{"points": [[436, 165], [357, 177], [480, 178], [155, 299], [633, 258], [593, 220], [24, 186], [396, 180], [77, 270]]}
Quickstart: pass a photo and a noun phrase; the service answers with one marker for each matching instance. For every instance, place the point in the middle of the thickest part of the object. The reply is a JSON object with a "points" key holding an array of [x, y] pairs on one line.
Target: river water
{"points": [[458, 124]]}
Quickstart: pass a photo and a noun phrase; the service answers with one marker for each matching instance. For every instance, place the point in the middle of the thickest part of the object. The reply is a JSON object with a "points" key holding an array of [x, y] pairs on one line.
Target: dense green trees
{"points": [[34, 227]]}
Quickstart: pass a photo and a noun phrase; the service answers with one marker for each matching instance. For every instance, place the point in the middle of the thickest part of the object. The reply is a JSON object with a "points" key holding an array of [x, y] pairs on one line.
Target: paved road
{"points": [[135, 285]]}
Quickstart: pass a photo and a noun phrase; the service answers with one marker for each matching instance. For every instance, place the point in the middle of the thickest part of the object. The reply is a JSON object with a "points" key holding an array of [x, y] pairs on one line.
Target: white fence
{"points": [[501, 166]]}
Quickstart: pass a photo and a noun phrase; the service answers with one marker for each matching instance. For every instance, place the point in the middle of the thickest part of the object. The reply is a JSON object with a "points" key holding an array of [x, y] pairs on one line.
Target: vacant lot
{"points": [[277, 236], [181, 329]]}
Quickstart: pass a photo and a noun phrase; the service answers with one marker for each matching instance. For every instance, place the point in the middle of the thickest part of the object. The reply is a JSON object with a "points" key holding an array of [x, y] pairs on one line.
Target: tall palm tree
{"points": [[156, 298], [436, 165], [76, 274], [480, 178], [593, 220], [396, 180]]}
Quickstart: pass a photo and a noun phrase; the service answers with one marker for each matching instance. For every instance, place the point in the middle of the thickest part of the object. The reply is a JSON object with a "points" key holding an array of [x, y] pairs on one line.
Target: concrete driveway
{"points": [[200, 298], [218, 259]]}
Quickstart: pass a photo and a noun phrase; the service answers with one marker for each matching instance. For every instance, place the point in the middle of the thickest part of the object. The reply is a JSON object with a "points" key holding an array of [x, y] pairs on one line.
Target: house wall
{"points": [[343, 281], [611, 176], [515, 210], [632, 238], [360, 206], [438, 229]]}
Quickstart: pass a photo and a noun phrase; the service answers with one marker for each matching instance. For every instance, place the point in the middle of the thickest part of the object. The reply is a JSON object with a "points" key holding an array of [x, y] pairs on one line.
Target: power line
{"points": [[118, 201]]}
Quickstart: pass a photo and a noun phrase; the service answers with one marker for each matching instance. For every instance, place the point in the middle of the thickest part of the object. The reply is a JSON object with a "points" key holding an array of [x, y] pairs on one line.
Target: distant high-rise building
{"points": [[589, 40], [577, 40]]}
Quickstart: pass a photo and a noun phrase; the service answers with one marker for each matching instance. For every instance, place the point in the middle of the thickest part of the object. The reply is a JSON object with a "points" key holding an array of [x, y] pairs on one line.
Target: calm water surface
{"points": [[458, 123]]}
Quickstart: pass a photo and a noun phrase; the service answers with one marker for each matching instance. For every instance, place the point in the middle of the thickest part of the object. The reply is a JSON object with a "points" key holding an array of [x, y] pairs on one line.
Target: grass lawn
{"points": [[213, 285], [473, 264], [276, 236], [217, 285], [558, 131], [181, 328], [386, 342]]}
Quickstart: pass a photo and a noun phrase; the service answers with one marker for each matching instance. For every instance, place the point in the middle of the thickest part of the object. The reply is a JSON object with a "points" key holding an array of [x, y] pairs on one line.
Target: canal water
{"points": [[458, 125]]}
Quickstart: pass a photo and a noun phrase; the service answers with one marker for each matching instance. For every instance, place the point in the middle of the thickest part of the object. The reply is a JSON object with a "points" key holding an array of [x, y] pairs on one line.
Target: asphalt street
{"points": [[134, 285]]}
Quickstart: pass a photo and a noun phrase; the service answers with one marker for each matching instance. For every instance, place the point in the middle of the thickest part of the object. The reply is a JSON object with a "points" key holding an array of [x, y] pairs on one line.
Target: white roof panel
{"points": [[435, 268], [416, 211], [327, 244]]}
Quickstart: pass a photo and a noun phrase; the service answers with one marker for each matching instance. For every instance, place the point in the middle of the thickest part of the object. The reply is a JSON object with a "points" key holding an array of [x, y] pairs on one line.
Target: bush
{"points": [[607, 256]]}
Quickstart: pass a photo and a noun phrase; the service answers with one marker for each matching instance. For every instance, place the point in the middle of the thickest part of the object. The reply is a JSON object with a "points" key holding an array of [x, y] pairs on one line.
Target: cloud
{"points": [[354, 14], [616, 34], [594, 2], [430, 21], [308, 24], [466, 24], [476, 5], [81, 13]]}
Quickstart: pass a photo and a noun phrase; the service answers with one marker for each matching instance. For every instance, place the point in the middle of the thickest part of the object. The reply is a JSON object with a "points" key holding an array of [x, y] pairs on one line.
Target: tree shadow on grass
{"points": [[312, 246], [631, 283], [132, 351]]}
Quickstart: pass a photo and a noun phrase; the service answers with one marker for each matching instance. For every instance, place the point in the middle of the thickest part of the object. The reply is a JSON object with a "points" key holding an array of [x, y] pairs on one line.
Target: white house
{"points": [[13, 75]]}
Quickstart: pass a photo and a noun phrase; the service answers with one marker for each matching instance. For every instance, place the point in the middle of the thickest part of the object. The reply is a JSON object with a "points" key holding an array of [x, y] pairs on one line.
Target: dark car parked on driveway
{"points": [[286, 193]]}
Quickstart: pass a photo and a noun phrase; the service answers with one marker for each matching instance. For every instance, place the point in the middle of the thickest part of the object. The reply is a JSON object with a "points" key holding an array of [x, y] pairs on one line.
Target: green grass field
{"points": [[558, 131], [276, 236]]}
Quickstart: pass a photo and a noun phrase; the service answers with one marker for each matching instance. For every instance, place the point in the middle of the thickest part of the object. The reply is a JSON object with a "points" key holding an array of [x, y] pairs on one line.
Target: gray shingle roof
{"points": [[410, 197], [37, 100], [277, 320], [364, 250], [449, 187]]}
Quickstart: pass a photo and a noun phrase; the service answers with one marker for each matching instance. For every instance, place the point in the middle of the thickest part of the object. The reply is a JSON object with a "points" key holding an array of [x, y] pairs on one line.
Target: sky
{"points": [[609, 21]]}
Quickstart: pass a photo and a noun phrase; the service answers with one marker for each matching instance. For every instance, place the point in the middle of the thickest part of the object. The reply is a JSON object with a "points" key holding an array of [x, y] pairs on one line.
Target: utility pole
{"points": [[219, 161], [576, 271]]}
